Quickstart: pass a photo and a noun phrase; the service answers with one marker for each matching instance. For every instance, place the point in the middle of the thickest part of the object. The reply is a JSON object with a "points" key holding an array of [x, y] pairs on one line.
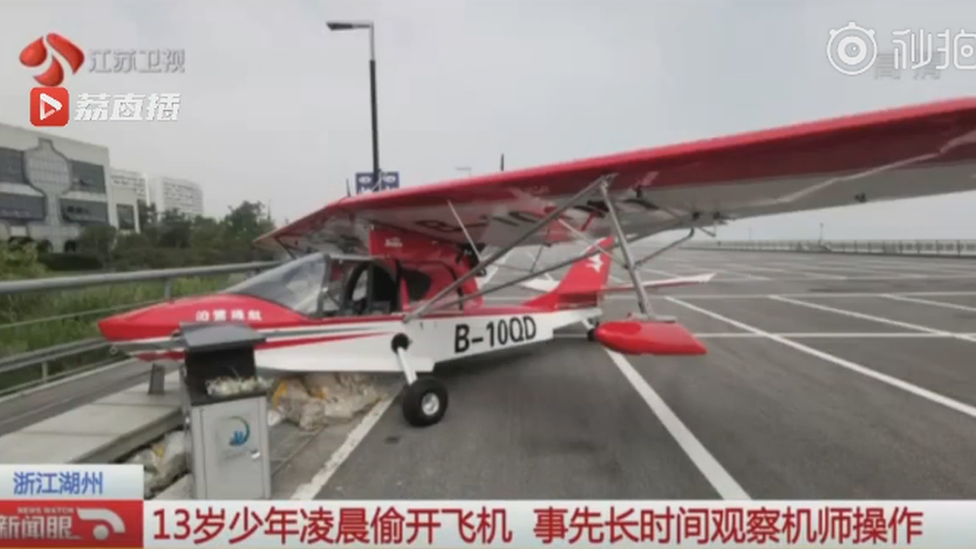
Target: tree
{"points": [[206, 232], [243, 225], [175, 240], [174, 230], [19, 262], [148, 220], [248, 221], [97, 240]]}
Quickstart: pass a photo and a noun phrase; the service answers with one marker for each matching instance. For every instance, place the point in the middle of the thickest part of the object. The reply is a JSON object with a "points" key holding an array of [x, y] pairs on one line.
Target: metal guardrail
{"points": [[43, 357], [924, 248], [85, 281]]}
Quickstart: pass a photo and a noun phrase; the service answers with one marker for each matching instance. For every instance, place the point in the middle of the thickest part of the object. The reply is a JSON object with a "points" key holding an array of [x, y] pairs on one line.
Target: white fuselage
{"points": [[367, 347]]}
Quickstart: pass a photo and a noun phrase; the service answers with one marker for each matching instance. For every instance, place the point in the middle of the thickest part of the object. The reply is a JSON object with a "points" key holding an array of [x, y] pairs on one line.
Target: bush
{"points": [[71, 261]]}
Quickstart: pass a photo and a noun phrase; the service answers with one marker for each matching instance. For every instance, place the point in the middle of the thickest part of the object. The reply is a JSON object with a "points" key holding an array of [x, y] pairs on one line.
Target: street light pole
{"points": [[368, 25], [373, 109]]}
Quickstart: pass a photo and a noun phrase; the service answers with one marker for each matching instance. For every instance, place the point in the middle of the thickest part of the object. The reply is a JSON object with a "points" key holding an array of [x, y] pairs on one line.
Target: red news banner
{"points": [[556, 524], [102, 506]]}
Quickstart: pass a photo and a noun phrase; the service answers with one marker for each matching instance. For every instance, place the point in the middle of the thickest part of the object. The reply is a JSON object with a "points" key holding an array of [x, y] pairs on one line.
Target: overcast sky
{"points": [[276, 108]]}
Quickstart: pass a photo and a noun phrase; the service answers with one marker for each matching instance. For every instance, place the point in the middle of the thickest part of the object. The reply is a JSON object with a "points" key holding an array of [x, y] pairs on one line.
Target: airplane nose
{"points": [[113, 327]]}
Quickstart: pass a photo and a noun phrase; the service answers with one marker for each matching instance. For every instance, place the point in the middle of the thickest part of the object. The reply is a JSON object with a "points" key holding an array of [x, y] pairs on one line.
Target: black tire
{"points": [[418, 394], [591, 333]]}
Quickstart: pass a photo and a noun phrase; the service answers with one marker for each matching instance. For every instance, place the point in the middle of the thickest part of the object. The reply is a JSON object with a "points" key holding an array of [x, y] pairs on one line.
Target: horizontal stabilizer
{"points": [[543, 285], [666, 283]]}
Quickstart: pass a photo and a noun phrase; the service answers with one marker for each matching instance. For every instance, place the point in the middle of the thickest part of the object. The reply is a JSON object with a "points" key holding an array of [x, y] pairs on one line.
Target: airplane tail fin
{"points": [[582, 285], [586, 283]]}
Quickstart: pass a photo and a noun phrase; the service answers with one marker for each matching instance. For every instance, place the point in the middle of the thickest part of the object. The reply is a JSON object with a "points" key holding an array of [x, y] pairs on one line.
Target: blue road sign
{"points": [[388, 180]]}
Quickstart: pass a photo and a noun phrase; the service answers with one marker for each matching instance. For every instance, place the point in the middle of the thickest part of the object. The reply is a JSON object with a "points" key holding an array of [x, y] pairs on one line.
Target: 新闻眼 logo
{"points": [[37, 52]]}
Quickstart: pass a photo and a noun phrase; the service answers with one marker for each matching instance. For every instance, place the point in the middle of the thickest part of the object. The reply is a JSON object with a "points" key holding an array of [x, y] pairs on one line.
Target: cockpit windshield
{"points": [[320, 285], [296, 285]]}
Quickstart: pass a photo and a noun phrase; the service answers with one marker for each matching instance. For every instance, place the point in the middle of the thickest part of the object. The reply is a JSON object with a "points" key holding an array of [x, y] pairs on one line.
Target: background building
{"points": [[181, 195], [52, 187], [136, 181]]}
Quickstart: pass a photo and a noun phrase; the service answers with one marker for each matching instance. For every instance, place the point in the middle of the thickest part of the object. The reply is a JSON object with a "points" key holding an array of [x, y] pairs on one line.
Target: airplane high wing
{"points": [[413, 301], [892, 154]]}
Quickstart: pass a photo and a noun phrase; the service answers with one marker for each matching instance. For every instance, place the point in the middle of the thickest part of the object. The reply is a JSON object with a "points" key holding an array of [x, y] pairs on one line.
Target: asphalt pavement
{"points": [[827, 376], [22, 409]]}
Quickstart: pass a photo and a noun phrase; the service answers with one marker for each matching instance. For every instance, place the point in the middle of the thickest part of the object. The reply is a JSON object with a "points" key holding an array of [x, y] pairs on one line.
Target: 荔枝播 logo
{"points": [[37, 52]]}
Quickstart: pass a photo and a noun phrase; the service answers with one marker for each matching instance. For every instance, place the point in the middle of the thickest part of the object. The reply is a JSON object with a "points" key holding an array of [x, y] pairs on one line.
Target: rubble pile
{"points": [[163, 462], [313, 401]]}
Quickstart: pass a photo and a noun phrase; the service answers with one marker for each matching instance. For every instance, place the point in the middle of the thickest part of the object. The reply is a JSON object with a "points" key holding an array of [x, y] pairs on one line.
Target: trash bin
{"points": [[228, 433]]}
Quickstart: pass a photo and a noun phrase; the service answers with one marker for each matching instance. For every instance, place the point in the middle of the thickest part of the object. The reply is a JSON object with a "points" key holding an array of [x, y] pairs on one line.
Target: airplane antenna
{"points": [[502, 163], [348, 191]]}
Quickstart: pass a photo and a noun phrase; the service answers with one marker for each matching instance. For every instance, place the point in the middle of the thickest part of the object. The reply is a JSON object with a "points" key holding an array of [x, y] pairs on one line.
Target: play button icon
{"points": [[49, 106]]}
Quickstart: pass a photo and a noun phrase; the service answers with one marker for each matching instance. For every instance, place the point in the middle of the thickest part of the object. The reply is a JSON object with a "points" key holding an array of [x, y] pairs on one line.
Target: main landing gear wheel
{"points": [[424, 402]]}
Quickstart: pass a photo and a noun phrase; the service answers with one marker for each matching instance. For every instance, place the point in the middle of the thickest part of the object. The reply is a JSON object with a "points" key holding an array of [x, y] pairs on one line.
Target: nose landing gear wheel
{"points": [[424, 402]]}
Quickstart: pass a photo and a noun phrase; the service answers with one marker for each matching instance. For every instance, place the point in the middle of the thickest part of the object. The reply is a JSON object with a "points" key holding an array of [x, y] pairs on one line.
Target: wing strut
{"points": [[467, 235], [602, 182], [585, 255], [596, 245], [642, 300], [520, 279], [538, 253]]}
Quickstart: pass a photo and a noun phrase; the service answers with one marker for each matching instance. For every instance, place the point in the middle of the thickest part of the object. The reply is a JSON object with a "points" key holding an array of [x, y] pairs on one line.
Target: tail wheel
{"points": [[591, 333], [424, 402]]}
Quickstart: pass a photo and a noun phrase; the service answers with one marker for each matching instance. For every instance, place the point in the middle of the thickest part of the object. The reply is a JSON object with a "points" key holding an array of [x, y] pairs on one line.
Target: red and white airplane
{"points": [[388, 282]]}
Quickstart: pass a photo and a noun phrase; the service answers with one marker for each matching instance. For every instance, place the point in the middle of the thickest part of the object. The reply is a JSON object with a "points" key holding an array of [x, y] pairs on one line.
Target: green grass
{"points": [[38, 320]]}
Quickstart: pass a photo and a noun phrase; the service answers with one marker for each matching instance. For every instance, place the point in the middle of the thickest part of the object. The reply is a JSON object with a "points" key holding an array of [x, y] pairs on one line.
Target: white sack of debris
{"points": [[313, 401]]}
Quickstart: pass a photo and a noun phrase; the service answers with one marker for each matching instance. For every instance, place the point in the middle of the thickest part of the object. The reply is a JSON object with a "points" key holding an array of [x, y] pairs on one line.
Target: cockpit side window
{"points": [[370, 288], [424, 280], [417, 284]]}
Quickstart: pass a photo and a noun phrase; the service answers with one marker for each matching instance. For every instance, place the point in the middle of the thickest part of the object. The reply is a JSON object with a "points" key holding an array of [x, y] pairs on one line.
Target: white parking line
{"points": [[837, 361], [844, 278], [920, 301], [806, 335], [803, 272], [710, 468], [847, 270], [916, 265], [872, 318], [835, 335], [312, 488], [659, 272], [901, 269], [823, 294], [736, 273]]}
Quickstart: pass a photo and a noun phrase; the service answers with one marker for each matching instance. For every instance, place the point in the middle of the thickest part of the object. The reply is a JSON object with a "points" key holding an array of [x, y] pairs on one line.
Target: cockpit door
{"points": [[370, 288]]}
